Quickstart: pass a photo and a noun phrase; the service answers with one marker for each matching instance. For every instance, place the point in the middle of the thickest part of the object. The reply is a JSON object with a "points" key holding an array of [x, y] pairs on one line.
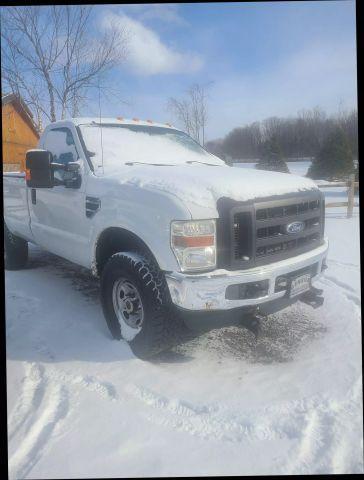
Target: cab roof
{"points": [[120, 121]]}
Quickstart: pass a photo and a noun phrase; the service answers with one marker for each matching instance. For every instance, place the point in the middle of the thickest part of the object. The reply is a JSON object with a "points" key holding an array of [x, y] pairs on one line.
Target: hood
{"points": [[200, 186]]}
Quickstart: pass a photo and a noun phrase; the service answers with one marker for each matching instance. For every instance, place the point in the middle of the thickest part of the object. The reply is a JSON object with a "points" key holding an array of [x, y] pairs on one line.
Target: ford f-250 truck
{"points": [[174, 233]]}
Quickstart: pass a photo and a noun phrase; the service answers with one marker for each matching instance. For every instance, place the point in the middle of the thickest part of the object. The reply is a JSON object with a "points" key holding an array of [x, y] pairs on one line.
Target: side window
{"points": [[60, 142]]}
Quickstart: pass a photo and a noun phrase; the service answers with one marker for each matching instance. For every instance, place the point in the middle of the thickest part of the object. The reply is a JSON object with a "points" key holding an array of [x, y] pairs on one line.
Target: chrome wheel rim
{"points": [[128, 308]]}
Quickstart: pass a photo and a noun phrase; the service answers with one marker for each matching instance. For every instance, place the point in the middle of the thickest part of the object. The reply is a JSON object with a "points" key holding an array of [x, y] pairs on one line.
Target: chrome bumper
{"points": [[207, 291]]}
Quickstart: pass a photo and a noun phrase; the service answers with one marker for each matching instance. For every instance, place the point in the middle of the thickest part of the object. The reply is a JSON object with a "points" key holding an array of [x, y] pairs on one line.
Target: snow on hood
{"points": [[127, 155], [201, 186]]}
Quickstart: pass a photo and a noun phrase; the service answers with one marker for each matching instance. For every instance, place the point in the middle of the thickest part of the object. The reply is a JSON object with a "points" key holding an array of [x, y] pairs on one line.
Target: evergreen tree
{"points": [[271, 157], [335, 159]]}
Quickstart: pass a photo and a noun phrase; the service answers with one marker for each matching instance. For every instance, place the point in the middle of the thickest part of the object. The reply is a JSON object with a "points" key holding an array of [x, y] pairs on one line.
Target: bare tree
{"points": [[301, 136], [271, 127], [181, 109], [52, 57], [191, 111]]}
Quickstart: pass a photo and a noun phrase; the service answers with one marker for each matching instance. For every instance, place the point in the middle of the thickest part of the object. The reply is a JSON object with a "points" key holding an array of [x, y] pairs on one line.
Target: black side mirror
{"points": [[72, 167], [71, 177], [74, 179], [39, 173]]}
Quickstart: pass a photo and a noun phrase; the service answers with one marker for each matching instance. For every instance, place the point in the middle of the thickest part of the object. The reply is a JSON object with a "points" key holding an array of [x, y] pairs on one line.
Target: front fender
{"points": [[146, 214]]}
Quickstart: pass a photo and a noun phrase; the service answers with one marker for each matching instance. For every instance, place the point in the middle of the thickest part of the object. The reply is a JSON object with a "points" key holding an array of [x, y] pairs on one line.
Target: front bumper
{"points": [[207, 291]]}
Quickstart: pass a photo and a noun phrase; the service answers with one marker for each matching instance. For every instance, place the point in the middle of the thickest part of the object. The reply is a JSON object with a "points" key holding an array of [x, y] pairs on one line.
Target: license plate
{"points": [[300, 284]]}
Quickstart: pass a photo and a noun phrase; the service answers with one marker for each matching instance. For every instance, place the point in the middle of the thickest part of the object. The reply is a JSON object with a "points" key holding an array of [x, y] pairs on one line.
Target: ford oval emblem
{"points": [[295, 227]]}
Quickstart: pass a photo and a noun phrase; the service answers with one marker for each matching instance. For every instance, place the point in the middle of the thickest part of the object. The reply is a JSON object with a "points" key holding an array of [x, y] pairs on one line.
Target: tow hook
{"points": [[252, 322], [312, 297]]}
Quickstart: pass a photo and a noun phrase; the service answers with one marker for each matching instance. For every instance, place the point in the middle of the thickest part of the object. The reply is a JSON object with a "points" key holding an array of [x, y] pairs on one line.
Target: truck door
{"points": [[58, 220]]}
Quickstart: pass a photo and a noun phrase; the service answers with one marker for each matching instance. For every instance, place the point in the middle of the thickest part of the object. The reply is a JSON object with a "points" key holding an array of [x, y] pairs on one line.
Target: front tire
{"points": [[137, 306], [16, 251]]}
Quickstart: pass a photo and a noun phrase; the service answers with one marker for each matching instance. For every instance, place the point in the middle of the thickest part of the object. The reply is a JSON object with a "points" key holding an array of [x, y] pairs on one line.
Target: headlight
{"points": [[194, 244]]}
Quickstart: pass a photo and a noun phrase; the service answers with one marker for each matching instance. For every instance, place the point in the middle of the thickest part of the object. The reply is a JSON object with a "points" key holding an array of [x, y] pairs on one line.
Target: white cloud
{"points": [[164, 12], [148, 55]]}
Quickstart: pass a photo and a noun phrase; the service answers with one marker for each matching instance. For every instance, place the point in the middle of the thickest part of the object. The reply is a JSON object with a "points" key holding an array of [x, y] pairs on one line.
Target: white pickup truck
{"points": [[174, 233]]}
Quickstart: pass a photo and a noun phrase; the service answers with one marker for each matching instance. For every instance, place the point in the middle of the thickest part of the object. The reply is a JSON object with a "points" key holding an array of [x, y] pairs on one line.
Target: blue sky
{"points": [[262, 59]]}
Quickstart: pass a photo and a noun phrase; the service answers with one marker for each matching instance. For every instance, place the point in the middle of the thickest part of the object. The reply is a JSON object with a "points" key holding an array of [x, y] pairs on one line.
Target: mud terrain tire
{"points": [[161, 328], [15, 250]]}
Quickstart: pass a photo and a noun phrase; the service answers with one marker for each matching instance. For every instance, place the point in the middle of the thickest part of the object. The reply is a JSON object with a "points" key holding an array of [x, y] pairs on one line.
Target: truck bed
{"points": [[16, 209]]}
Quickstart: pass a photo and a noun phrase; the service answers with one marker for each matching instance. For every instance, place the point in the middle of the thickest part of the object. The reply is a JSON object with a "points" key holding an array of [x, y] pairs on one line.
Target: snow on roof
{"points": [[120, 121], [21, 108]]}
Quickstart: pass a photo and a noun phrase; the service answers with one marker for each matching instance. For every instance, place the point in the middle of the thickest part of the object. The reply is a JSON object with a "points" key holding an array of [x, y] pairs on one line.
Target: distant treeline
{"points": [[301, 136]]}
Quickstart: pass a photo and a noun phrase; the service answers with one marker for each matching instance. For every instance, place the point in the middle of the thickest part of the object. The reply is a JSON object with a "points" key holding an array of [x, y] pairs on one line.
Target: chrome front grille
{"points": [[290, 210], [271, 227], [264, 232]]}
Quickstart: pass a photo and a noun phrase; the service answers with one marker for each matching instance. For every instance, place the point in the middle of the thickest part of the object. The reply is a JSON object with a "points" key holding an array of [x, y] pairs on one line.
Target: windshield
{"points": [[125, 144]]}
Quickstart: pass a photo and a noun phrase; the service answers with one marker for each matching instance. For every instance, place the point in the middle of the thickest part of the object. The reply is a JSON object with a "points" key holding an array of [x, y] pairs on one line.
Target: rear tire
{"points": [[16, 251], [133, 287]]}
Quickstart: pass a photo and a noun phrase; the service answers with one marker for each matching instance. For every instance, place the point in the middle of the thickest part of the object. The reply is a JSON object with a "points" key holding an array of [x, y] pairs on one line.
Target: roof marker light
{"points": [[150, 121], [135, 119], [120, 118]]}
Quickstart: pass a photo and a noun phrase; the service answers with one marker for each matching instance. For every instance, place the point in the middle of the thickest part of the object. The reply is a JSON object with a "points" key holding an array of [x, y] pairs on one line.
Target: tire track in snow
{"points": [[349, 416], [354, 299], [310, 436], [317, 435], [344, 264], [321, 427], [105, 390], [339, 283], [215, 423], [42, 404], [326, 442], [31, 448], [347, 291], [310, 423], [206, 421], [307, 421], [176, 406], [28, 401]]}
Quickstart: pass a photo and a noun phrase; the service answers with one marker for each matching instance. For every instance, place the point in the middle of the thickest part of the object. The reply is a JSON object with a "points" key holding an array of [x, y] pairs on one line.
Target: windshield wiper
{"points": [[154, 164], [203, 163], [169, 164]]}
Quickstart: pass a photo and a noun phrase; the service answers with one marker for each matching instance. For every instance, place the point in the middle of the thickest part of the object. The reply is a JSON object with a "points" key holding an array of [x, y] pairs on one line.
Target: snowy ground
{"points": [[81, 405]]}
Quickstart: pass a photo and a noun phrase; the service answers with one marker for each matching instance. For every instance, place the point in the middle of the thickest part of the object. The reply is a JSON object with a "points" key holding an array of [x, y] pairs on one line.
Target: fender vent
{"points": [[93, 204]]}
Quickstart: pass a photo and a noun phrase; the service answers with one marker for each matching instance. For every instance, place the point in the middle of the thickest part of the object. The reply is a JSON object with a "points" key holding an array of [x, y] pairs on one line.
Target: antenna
{"points": [[102, 147]]}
